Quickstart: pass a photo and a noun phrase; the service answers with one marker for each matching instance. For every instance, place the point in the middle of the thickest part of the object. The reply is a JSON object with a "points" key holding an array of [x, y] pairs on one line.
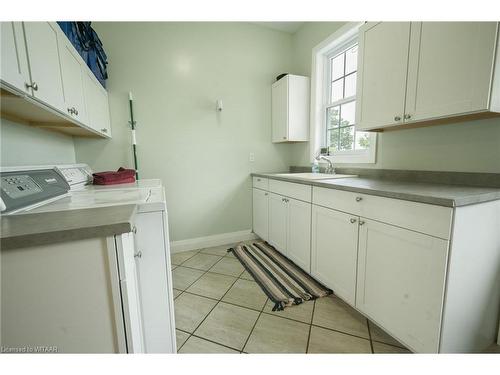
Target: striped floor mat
{"points": [[283, 281]]}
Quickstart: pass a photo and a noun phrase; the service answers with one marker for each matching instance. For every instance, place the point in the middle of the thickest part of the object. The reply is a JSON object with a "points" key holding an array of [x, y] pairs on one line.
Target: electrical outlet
{"points": [[251, 157]]}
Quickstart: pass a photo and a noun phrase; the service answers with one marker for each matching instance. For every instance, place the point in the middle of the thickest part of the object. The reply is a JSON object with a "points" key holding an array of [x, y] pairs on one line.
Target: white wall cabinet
{"points": [[401, 278], [290, 109], [334, 250], [13, 59], [72, 74], [48, 83], [382, 69], [44, 61], [416, 72], [260, 204], [96, 98]]}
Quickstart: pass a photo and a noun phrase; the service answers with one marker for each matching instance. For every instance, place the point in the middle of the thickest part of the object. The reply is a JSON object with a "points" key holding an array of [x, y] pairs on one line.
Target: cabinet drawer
{"points": [[289, 189], [420, 217], [261, 183]]}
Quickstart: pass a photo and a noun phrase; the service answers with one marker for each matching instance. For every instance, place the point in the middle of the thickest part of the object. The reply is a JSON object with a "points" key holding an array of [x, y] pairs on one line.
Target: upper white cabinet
{"points": [[46, 83], [382, 67], [96, 98], [14, 62], [417, 72], [73, 74], [44, 62], [450, 68], [401, 278], [290, 109]]}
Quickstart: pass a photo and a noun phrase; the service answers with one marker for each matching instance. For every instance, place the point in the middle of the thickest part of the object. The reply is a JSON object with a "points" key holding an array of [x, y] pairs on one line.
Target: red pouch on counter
{"points": [[121, 176]]}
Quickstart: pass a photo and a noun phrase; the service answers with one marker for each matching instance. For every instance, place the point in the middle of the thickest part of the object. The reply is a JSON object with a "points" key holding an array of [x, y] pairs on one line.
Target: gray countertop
{"points": [[437, 194], [52, 227]]}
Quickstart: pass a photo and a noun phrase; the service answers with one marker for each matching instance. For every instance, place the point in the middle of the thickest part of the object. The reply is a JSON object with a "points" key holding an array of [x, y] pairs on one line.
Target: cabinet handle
{"points": [[70, 110], [284, 137], [407, 116], [352, 220], [266, 194], [34, 86], [134, 230], [258, 179], [397, 118], [361, 222], [359, 199], [104, 130], [76, 111], [138, 254]]}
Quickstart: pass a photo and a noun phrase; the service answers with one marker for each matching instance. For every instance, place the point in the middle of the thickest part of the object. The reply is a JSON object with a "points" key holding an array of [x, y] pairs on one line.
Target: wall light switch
{"points": [[251, 157]]}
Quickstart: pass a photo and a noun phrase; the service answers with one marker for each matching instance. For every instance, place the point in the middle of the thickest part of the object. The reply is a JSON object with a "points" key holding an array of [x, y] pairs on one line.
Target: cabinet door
{"points": [[131, 303], [278, 216], [261, 213], [334, 250], [96, 98], [43, 57], [450, 68], [382, 68], [299, 233], [401, 276], [13, 59], [280, 110], [155, 291], [72, 74]]}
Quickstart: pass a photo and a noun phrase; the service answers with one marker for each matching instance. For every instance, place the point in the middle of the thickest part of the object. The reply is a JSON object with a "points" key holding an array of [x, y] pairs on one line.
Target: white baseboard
{"points": [[209, 241]]}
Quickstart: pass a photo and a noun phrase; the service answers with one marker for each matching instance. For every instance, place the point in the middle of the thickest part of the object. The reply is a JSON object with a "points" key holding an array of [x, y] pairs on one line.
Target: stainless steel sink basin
{"points": [[315, 176]]}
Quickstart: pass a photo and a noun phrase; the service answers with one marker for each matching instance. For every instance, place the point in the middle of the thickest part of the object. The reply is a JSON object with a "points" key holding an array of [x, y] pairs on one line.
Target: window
{"points": [[334, 91]]}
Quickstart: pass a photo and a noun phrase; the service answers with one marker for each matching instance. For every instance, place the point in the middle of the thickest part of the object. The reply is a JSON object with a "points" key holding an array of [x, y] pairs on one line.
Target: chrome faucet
{"points": [[329, 169]]}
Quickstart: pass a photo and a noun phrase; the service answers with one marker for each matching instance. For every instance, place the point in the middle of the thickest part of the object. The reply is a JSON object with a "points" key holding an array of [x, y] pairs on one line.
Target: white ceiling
{"points": [[288, 27]]}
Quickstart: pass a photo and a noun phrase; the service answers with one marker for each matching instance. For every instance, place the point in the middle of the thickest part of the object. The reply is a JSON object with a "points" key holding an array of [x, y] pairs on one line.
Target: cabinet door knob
{"points": [[104, 130], [352, 220], [284, 137], [407, 116], [33, 86], [361, 222], [258, 179], [134, 229], [138, 254], [359, 199], [397, 118], [76, 111], [266, 194], [69, 110]]}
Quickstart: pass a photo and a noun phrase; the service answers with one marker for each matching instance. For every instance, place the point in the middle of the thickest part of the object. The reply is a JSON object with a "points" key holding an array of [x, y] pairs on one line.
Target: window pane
{"points": [[332, 117], [362, 140], [332, 139], [337, 90], [346, 138], [351, 60], [348, 113], [337, 67], [350, 85]]}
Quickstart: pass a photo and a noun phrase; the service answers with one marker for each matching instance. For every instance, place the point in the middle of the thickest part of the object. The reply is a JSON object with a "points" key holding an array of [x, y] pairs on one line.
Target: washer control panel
{"points": [[19, 186]]}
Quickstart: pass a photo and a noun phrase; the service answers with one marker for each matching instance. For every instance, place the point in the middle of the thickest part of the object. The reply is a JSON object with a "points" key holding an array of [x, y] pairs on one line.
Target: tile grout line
{"points": [[253, 327], [310, 327], [212, 309], [191, 334]]}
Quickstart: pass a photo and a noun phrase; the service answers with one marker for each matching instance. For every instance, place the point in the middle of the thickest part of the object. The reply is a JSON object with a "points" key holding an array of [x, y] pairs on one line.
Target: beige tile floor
{"points": [[220, 309]]}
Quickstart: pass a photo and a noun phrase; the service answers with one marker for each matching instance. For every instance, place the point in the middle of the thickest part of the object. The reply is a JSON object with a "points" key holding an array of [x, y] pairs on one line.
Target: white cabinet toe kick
{"points": [[426, 274]]}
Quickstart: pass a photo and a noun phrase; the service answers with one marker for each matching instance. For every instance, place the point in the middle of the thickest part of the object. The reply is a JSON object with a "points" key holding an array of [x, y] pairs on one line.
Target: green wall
{"points": [[176, 72], [25, 145], [467, 147]]}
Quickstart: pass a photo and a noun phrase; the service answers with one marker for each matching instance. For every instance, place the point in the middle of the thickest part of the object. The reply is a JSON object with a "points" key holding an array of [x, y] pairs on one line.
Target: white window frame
{"points": [[340, 39]]}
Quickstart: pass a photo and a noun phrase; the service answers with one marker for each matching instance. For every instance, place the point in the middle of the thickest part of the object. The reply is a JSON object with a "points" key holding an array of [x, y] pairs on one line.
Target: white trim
{"points": [[213, 240], [318, 86]]}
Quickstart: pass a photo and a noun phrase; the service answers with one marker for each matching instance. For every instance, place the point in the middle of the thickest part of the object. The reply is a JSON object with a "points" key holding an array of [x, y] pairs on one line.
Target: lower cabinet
{"points": [[401, 278], [334, 250], [288, 225], [278, 222], [260, 204]]}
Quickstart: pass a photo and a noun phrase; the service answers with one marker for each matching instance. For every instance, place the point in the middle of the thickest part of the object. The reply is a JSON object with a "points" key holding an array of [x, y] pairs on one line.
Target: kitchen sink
{"points": [[314, 176]]}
